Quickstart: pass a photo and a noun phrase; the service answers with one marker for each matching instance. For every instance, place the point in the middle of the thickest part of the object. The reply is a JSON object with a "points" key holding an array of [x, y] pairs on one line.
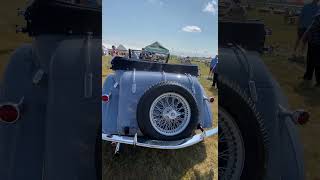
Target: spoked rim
{"points": [[231, 147], [170, 114]]}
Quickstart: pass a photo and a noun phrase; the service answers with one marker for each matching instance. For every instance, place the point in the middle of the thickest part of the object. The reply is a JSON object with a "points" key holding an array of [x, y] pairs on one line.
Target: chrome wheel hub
{"points": [[170, 114]]}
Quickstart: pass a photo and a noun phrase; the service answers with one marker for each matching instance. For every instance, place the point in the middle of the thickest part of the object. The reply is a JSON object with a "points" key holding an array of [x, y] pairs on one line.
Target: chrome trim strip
{"points": [[134, 85], [161, 144], [192, 83]]}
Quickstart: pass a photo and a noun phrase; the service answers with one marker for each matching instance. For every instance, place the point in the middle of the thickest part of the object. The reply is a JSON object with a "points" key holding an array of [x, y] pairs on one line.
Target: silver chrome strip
{"points": [[192, 83], [161, 144], [134, 85]]}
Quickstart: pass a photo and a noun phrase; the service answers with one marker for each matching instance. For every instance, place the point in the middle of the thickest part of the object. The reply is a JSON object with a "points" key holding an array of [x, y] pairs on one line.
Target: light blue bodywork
{"points": [[125, 89]]}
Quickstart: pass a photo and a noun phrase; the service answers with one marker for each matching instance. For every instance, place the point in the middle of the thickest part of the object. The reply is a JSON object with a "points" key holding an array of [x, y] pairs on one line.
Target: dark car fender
{"points": [[55, 138], [284, 156], [22, 143]]}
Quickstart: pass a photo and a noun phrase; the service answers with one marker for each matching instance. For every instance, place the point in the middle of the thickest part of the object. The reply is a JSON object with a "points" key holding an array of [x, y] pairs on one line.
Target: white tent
{"points": [[104, 49], [121, 48]]}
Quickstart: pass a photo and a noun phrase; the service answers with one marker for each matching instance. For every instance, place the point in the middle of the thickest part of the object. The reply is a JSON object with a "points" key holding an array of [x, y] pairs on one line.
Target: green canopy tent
{"points": [[157, 48]]}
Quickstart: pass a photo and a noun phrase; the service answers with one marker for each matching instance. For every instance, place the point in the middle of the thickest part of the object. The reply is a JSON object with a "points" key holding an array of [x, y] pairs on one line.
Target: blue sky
{"points": [[185, 27]]}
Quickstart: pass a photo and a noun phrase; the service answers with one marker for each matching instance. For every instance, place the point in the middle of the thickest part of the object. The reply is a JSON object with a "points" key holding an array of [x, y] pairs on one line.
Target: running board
{"points": [[156, 144]]}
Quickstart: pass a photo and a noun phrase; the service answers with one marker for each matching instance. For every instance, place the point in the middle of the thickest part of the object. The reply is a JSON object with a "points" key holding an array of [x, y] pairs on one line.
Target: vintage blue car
{"points": [[50, 92], [258, 138], [155, 105]]}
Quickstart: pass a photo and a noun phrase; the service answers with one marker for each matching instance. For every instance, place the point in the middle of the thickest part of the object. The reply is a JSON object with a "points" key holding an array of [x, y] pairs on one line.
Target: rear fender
{"points": [[206, 115], [22, 142], [110, 109]]}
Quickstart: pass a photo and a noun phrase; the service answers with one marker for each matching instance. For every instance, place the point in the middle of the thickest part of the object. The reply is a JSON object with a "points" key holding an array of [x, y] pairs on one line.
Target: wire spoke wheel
{"points": [[231, 147], [170, 114]]}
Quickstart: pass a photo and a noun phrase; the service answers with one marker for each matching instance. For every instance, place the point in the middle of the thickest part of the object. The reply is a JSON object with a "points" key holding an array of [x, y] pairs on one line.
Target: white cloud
{"points": [[191, 29], [211, 7], [157, 2]]}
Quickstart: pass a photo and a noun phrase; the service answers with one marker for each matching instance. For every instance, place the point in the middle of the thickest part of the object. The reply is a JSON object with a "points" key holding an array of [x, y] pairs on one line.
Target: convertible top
{"points": [[121, 63]]}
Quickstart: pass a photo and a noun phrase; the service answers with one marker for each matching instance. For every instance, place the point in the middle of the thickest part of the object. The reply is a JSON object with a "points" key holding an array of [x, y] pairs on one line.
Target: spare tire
{"points": [[167, 111]]}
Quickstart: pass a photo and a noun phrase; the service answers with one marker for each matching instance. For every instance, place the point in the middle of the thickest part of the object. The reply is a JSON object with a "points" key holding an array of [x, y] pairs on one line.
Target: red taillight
{"points": [[105, 98], [9, 113], [303, 118], [211, 99]]}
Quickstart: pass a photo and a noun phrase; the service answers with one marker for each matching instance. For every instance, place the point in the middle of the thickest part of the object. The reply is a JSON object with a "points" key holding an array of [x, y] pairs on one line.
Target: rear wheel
{"points": [[167, 111], [231, 147], [242, 137]]}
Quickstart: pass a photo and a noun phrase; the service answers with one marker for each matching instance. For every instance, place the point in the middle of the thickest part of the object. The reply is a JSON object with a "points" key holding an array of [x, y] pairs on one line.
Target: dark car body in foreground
{"points": [[264, 132]]}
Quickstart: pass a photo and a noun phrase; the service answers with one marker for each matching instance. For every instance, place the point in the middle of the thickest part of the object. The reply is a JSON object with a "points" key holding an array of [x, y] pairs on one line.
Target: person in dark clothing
{"points": [[213, 66], [305, 20], [312, 37], [215, 80]]}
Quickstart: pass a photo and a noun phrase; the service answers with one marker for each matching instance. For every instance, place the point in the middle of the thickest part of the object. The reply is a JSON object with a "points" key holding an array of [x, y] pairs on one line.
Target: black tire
{"points": [[251, 127], [146, 101]]}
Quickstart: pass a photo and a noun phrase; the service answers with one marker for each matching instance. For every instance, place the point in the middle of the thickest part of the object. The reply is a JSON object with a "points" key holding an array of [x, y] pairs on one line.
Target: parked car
{"points": [[258, 137], [155, 105], [49, 117]]}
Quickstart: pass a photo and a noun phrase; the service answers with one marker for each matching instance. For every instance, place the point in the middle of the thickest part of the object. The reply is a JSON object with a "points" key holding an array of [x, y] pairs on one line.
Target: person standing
{"points": [[305, 19], [312, 37], [210, 67], [142, 54], [213, 66], [114, 52], [237, 12]]}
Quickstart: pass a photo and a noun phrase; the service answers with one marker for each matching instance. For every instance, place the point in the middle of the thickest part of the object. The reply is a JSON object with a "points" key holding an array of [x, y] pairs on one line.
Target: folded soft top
{"points": [[121, 63]]}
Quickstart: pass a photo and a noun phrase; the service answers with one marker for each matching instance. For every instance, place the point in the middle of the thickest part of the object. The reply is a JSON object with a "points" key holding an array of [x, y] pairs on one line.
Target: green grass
{"points": [[9, 39], [197, 162], [288, 75]]}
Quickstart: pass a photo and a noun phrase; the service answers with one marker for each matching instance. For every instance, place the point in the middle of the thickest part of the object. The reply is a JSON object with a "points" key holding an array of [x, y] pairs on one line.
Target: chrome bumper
{"points": [[156, 144]]}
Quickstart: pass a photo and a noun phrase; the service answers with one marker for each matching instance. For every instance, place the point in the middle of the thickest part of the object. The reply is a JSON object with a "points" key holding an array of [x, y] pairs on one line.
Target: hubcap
{"points": [[170, 114]]}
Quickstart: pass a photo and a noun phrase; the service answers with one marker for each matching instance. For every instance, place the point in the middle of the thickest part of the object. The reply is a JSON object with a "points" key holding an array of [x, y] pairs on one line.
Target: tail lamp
{"points": [[301, 117], [209, 99], [105, 98], [9, 113]]}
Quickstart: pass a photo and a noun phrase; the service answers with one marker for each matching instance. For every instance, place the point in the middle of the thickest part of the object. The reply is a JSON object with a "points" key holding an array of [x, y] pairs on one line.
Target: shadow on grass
{"points": [[311, 95], [144, 163], [206, 176]]}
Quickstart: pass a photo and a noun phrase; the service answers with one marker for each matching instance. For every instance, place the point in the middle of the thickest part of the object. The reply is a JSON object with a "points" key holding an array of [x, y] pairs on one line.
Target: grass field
{"points": [[289, 74], [199, 161], [196, 162], [9, 39]]}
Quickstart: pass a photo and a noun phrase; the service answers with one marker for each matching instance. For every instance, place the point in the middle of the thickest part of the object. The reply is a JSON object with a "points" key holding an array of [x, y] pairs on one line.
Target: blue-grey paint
{"points": [[120, 112]]}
